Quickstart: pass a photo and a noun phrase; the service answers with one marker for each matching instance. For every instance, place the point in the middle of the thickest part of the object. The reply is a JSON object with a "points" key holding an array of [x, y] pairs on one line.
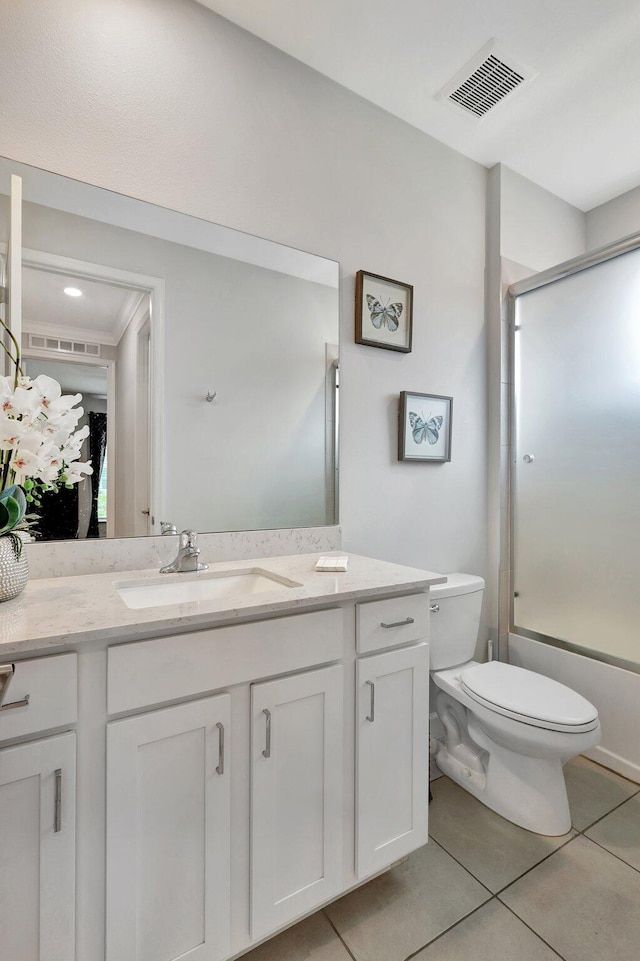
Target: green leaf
{"points": [[13, 507]]}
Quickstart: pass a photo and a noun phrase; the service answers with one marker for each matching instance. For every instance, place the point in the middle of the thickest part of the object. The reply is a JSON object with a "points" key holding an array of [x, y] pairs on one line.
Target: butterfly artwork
{"points": [[384, 312], [424, 427], [428, 430], [389, 314]]}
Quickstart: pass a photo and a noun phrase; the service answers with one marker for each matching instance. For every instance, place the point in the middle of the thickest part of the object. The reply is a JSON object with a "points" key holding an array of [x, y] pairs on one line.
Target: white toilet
{"points": [[508, 731]]}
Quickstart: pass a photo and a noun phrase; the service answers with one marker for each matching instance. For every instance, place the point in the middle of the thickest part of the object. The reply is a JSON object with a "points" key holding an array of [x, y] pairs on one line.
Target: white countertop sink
{"points": [[202, 586]]}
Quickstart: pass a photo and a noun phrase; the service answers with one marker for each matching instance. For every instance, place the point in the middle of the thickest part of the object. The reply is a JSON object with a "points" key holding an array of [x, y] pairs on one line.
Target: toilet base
{"points": [[529, 791]]}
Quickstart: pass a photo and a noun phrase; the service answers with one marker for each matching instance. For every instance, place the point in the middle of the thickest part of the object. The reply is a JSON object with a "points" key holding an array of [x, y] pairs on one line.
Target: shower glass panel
{"points": [[576, 473]]}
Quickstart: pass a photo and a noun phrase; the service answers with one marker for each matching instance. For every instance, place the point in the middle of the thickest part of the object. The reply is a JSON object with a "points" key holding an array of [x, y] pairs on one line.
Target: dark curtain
{"points": [[97, 449], [58, 515]]}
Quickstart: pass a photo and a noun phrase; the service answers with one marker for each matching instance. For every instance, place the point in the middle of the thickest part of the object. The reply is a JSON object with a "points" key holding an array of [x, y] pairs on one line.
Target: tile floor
{"points": [[485, 890]]}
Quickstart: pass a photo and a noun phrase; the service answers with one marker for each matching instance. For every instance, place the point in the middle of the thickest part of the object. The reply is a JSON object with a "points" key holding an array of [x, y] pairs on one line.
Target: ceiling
{"points": [[574, 129], [99, 315]]}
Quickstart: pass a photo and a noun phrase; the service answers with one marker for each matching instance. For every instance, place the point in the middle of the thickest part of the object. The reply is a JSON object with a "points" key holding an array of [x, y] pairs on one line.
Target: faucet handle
{"points": [[189, 540]]}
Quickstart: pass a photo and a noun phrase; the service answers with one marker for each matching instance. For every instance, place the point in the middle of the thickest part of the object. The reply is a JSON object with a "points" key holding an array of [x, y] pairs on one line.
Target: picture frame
{"points": [[424, 427], [384, 312]]}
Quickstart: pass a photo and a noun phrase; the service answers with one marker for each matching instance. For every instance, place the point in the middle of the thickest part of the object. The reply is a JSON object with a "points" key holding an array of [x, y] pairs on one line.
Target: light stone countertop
{"points": [[66, 611]]}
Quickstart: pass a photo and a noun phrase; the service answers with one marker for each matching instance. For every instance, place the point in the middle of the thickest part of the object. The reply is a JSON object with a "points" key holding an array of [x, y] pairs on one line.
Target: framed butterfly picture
{"points": [[384, 312], [424, 427]]}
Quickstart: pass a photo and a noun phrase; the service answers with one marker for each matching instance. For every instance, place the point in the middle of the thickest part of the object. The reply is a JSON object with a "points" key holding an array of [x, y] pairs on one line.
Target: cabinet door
{"points": [[296, 795], [392, 756], [168, 822], [37, 850]]}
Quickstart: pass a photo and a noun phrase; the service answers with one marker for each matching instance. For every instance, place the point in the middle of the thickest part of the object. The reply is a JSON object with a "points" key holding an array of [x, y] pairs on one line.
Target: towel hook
{"points": [[211, 397]]}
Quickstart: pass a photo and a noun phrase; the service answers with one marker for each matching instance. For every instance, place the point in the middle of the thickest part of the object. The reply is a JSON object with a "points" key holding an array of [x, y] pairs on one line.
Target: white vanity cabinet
{"points": [[168, 834], [297, 735], [392, 756], [236, 770], [38, 810]]}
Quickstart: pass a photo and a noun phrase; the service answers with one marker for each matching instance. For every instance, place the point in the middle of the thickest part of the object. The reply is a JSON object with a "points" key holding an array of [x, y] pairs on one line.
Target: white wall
{"points": [[618, 218], [129, 434], [164, 100], [537, 229]]}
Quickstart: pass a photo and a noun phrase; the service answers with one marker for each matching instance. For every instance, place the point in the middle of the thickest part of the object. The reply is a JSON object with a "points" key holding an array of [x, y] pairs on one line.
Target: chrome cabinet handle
{"points": [[267, 749], [6, 673], [57, 802], [220, 767], [408, 620], [435, 608], [372, 715]]}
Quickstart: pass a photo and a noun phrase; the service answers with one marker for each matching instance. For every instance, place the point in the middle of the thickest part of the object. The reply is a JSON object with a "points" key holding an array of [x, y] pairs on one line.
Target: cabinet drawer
{"points": [[389, 623], [51, 684], [169, 668]]}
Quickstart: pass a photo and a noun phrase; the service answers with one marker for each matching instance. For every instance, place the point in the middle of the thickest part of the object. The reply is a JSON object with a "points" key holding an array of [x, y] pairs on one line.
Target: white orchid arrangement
{"points": [[40, 448]]}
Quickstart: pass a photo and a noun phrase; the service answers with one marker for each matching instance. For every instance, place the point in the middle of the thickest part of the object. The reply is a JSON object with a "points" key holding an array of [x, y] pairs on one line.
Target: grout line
{"points": [[611, 771], [340, 938], [538, 863], [450, 928], [463, 866], [612, 853], [517, 878], [603, 816], [533, 930]]}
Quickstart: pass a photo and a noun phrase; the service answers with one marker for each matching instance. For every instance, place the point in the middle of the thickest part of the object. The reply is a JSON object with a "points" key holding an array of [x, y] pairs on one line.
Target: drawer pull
{"points": [[220, 767], [13, 704], [408, 620], [372, 715], [267, 749], [6, 673], [57, 802]]}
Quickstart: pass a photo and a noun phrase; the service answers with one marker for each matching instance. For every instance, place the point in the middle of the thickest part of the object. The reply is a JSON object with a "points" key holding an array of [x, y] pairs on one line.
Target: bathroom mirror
{"points": [[207, 360]]}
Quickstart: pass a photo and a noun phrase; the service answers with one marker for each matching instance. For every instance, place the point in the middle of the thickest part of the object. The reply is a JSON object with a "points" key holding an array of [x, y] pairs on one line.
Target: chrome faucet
{"points": [[187, 557]]}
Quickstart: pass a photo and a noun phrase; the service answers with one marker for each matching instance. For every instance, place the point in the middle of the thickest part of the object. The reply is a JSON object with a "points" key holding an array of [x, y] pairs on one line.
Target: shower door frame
{"points": [[566, 269]]}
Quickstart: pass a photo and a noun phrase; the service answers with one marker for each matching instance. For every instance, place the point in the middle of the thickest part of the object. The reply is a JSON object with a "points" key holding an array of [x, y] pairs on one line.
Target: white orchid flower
{"points": [[6, 396], [38, 426], [64, 419], [48, 389], [11, 430], [25, 463], [76, 472], [26, 404]]}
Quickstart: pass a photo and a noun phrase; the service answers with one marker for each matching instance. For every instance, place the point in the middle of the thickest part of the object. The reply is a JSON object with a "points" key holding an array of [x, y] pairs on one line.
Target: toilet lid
{"points": [[528, 697]]}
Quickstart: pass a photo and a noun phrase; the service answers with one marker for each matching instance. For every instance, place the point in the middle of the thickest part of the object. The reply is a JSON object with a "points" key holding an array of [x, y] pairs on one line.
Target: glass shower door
{"points": [[576, 471]]}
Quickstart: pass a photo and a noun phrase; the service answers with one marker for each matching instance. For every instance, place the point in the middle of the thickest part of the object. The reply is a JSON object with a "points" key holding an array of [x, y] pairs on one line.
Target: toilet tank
{"points": [[454, 625]]}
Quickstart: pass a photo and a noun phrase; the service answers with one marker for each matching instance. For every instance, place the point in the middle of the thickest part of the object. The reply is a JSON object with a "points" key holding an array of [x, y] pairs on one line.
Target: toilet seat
{"points": [[528, 697]]}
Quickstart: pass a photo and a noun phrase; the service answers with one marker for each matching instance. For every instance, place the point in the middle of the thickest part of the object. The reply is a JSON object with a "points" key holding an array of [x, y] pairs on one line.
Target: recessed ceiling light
{"points": [[72, 292]]}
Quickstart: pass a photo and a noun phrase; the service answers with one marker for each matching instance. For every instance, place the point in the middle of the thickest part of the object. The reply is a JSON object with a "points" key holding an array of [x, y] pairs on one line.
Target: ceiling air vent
{"points": [[63, 346], [485, 81]]}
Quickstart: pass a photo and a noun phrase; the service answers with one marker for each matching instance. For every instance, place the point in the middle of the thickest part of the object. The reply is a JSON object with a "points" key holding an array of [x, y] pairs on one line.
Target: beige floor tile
{"points": [[593, 791], [493, 849], [492, 933], [398, 913], [619, 832], [311, 940], [584, 903]]}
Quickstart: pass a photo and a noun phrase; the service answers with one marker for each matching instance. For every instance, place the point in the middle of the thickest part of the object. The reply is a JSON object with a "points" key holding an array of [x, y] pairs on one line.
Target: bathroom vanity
{"points": [[183, 781]]}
